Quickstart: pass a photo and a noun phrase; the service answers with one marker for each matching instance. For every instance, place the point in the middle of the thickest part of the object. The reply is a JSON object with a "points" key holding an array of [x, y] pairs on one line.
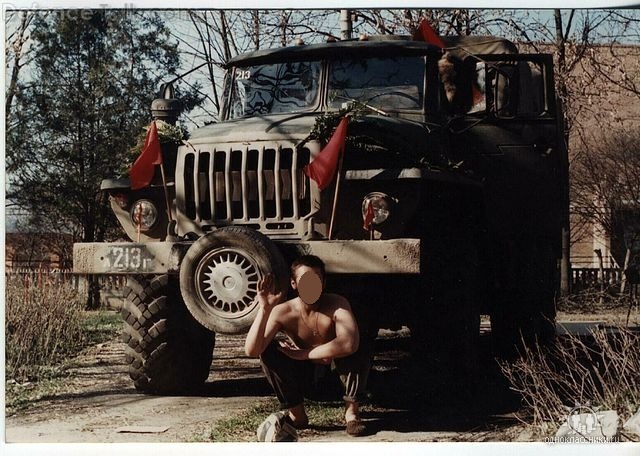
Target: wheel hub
{"points": [[227, 282]]}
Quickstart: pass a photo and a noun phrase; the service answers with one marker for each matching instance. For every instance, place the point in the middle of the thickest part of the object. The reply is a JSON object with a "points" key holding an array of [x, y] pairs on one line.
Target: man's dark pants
{"points": [[292, 379]]}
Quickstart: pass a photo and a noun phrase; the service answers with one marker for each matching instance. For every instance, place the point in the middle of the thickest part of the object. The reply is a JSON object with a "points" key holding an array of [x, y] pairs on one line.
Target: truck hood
{"points": [[289, 127], [388, 131]]}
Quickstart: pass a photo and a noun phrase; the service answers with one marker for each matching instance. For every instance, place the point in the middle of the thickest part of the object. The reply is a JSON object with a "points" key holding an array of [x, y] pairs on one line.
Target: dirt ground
{"points": [[99, 404]]}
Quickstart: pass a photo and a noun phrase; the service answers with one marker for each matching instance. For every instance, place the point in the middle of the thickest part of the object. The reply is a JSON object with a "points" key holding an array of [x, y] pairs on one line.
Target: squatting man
{"points": [[320, 328]]}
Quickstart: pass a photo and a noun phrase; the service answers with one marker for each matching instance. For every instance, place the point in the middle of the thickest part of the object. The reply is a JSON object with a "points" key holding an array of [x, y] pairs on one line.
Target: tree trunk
{"points": [[345, 24], [561, 93], [284, 22], [93, 293], [256, 29], [623, 281], [600, 274], [17, 46]]}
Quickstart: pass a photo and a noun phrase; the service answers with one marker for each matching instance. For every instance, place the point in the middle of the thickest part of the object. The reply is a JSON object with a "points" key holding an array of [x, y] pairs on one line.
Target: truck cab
{"points": [[454, 154]]}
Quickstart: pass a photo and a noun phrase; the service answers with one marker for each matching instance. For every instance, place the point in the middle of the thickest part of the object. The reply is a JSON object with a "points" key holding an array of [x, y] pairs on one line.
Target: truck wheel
{"points": [[219, 276], [445, 331], [449, 332], [167, 351], [524, 313]]}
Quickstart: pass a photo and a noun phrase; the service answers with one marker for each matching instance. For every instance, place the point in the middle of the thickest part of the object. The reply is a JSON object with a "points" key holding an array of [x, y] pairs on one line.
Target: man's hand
{"points": [[265, 325], [266, 296], [292, 351], [300, 354]]}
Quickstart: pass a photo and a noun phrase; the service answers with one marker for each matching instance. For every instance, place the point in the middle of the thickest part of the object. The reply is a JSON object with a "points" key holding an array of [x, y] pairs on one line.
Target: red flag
{"points": [[323, 167], [142, 171], [427, 34], [368, 216]]}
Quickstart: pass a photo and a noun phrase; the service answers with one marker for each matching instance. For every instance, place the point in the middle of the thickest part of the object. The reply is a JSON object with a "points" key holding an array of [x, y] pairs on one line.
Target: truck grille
{"points": [[243, 183]]}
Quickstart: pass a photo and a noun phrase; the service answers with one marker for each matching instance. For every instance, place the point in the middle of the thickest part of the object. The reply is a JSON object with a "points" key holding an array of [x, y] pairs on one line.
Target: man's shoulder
{"points": [[284, 307], [336, 301], [336, 297]]}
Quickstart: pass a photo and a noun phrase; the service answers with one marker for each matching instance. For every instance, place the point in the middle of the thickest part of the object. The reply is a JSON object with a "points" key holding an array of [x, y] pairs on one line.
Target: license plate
{"points": [[128, 259]]}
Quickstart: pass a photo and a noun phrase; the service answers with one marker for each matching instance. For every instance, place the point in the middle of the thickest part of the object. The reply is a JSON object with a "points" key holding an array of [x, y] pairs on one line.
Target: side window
{"points": [[485, 86], [503, 80], [515, 89], [479, 89], [498, 85], [531, 100], [463, 84]]}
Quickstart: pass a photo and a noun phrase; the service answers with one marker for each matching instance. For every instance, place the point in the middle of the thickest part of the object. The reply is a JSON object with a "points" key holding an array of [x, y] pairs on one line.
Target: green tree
{"points": [[78, 112]]}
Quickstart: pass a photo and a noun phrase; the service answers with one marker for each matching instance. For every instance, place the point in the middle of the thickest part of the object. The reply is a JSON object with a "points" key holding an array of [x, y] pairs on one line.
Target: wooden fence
{"points": [[585, 278], [111, 287]]}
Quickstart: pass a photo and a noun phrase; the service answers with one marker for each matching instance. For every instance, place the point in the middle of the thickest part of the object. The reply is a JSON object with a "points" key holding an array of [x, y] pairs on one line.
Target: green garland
{"points": [[167, 134], [327, 122]]}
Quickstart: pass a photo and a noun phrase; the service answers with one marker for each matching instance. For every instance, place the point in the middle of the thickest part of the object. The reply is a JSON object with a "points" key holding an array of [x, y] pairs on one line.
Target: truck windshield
{"points": [[390, 83], [274, 88]]}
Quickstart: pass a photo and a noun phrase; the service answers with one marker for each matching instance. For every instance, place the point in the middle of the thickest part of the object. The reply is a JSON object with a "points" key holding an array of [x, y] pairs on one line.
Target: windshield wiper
{"points": [[366, 105]]}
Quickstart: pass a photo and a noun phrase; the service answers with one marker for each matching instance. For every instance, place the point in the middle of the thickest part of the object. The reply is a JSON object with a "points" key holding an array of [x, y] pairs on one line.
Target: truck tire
{"points": [[524, 312], [167, 351], [220, 273], [449, 332], [445, 330]]}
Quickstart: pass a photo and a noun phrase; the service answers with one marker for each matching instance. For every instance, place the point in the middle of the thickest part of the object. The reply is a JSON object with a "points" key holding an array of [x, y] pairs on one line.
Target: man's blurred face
{"points": [[308, 282]]}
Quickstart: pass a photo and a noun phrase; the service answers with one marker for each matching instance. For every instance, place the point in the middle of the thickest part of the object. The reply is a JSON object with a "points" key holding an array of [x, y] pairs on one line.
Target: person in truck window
{"points": [[320, 328]]}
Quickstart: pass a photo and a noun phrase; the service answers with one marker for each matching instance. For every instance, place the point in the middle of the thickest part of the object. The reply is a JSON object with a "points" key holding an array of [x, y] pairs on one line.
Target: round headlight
{"points": [[144, 214], [380, 204]]}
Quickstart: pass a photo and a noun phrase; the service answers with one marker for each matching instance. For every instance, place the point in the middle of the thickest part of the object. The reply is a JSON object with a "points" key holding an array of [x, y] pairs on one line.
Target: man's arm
{"points": [[345, 343], [266, 323]]}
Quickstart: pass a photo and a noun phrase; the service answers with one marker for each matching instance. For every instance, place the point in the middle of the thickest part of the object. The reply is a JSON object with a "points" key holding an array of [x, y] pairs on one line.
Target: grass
{"points": [[593, 301], [47, 379], [45, 327], [100, 325], [602, 370], [242, 427], [20, 395]]}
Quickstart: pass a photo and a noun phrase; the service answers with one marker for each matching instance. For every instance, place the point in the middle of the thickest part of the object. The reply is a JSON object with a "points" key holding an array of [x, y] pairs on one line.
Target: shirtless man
{"points": [[321, 329]]}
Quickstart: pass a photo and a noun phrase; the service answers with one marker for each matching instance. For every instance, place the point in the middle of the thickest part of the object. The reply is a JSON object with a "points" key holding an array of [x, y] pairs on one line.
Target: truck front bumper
{"points": [[396, 256]]}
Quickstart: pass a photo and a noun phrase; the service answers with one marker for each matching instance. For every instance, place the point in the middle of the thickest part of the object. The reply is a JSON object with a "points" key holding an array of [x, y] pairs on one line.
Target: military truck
{"points": [[454, 154]]}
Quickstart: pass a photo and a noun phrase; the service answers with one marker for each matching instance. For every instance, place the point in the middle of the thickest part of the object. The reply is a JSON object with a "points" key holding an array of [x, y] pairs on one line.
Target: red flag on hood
{"points": [[369, 215], [323, 167], [426, 33], [142, 171]]}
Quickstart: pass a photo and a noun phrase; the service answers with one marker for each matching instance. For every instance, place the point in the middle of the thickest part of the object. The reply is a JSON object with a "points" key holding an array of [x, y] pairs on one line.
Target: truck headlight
{"points": [[144, 214], [380, 203]]}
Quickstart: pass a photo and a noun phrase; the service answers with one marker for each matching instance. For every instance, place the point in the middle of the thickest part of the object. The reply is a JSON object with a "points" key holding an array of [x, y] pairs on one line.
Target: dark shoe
{"points": [[300, 424], [355, 428]]}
